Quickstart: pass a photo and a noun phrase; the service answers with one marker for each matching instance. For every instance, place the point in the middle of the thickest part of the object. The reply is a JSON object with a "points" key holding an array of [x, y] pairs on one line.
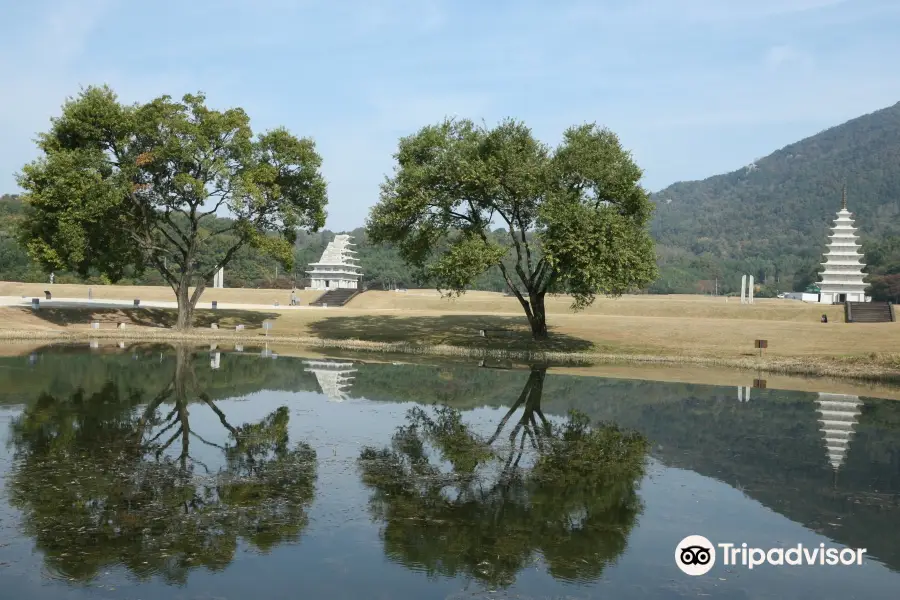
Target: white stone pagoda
{"points": [[338, 267], [334, 378], [839, 414], [842, 279]]}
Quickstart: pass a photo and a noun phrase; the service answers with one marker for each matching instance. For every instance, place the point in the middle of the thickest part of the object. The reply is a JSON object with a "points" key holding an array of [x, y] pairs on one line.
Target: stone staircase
{"points": [[868, 312], [338, 297]]}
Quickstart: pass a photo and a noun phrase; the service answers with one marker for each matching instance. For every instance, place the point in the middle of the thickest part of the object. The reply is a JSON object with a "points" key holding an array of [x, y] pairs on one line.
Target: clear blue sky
{"points": [[693, 87]]}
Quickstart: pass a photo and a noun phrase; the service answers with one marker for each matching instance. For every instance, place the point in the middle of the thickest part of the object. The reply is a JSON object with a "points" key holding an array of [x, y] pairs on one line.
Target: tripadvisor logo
{"points": [[696, 555]]}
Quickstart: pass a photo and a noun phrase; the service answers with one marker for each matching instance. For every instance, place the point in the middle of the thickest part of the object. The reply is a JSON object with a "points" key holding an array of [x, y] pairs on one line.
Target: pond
{"points": [[151, 472]]}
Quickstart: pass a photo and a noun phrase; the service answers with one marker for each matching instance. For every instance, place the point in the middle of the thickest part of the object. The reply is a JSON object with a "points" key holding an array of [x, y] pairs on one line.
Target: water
{"points": [[148, 473]]}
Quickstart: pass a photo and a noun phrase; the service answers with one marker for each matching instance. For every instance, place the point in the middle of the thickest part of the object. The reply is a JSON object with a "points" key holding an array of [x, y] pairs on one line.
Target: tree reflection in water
{"points": [[101, 481], [455, 503]]}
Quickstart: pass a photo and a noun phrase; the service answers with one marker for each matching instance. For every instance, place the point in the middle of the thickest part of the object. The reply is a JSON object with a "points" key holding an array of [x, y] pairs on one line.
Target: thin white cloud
{"points": [[696, 11], [786, 55]]}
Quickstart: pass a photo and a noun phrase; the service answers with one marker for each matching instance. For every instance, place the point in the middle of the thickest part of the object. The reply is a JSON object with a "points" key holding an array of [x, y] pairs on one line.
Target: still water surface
{"points": [[152, 473]]}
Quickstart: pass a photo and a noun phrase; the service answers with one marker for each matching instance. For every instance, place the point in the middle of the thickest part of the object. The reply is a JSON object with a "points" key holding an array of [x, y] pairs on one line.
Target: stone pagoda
{"points": [[334, 378], [838, 415], [842, 279], [338, 268]]}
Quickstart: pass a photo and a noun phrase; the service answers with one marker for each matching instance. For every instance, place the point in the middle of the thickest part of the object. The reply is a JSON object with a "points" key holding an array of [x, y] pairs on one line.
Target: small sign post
{"points": [[762, 345]]}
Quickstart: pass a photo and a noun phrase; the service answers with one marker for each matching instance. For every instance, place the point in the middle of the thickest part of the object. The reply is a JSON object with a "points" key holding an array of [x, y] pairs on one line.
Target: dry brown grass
{"points": [[647, 329], [706, 307]]}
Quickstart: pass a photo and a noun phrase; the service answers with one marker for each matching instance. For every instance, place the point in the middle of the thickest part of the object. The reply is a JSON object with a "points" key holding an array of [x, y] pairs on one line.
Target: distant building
{"points": [[804, 296], [842, 279], [338, 267]]}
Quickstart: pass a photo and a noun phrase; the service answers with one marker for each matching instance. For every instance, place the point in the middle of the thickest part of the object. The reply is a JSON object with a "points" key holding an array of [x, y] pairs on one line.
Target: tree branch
{"points": [[219, 414]]}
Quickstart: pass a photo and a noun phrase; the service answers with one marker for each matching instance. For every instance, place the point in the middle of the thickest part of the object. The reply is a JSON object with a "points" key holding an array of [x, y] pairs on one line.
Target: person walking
{"points": [[293, 298]]}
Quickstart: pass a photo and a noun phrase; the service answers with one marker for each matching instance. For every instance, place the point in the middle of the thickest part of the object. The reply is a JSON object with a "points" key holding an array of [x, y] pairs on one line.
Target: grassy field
{"points": [[471, 303], [679, 328]]}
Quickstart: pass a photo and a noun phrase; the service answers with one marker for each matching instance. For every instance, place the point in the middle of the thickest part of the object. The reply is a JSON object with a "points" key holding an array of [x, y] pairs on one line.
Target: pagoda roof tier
{"points": [[842, 272], [353, 273], [830, 288], [333, 266], [849, 270], [841, 282]]}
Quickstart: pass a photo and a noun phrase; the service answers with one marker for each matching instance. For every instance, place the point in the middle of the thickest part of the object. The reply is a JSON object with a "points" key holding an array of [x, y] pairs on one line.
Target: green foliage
{"points": [[491, 514], [98, 486], [574, 218], [122, 187]]}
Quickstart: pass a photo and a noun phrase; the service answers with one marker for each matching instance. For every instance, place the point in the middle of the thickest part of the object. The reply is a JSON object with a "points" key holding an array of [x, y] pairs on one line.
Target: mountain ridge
{"points": [[771, 218]]}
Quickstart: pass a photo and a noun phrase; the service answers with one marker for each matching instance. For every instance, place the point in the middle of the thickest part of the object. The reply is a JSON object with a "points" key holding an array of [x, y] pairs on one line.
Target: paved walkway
{"points": [[85, 303]]}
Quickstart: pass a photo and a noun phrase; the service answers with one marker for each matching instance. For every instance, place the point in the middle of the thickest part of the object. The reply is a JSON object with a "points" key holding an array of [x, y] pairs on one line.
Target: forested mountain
{"points": [[771, 218]]}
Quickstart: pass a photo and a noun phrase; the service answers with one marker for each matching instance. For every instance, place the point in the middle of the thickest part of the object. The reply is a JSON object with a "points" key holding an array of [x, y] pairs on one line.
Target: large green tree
{"points": [[122, 186], [575, 217]]}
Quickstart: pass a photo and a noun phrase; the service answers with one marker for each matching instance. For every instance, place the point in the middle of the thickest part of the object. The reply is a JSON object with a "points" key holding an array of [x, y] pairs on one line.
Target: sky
{"points": [[692, 87]]}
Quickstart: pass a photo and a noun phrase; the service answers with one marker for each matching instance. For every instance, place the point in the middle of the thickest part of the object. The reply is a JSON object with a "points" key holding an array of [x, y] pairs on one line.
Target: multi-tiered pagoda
{"points": [[842, 279], [334, 378], [338, 267], [838, 416]]}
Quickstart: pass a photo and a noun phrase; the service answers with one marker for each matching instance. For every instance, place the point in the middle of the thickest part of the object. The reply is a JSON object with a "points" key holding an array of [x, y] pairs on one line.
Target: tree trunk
{"points": [[187, 302], [538, 316], [185, 307]]}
